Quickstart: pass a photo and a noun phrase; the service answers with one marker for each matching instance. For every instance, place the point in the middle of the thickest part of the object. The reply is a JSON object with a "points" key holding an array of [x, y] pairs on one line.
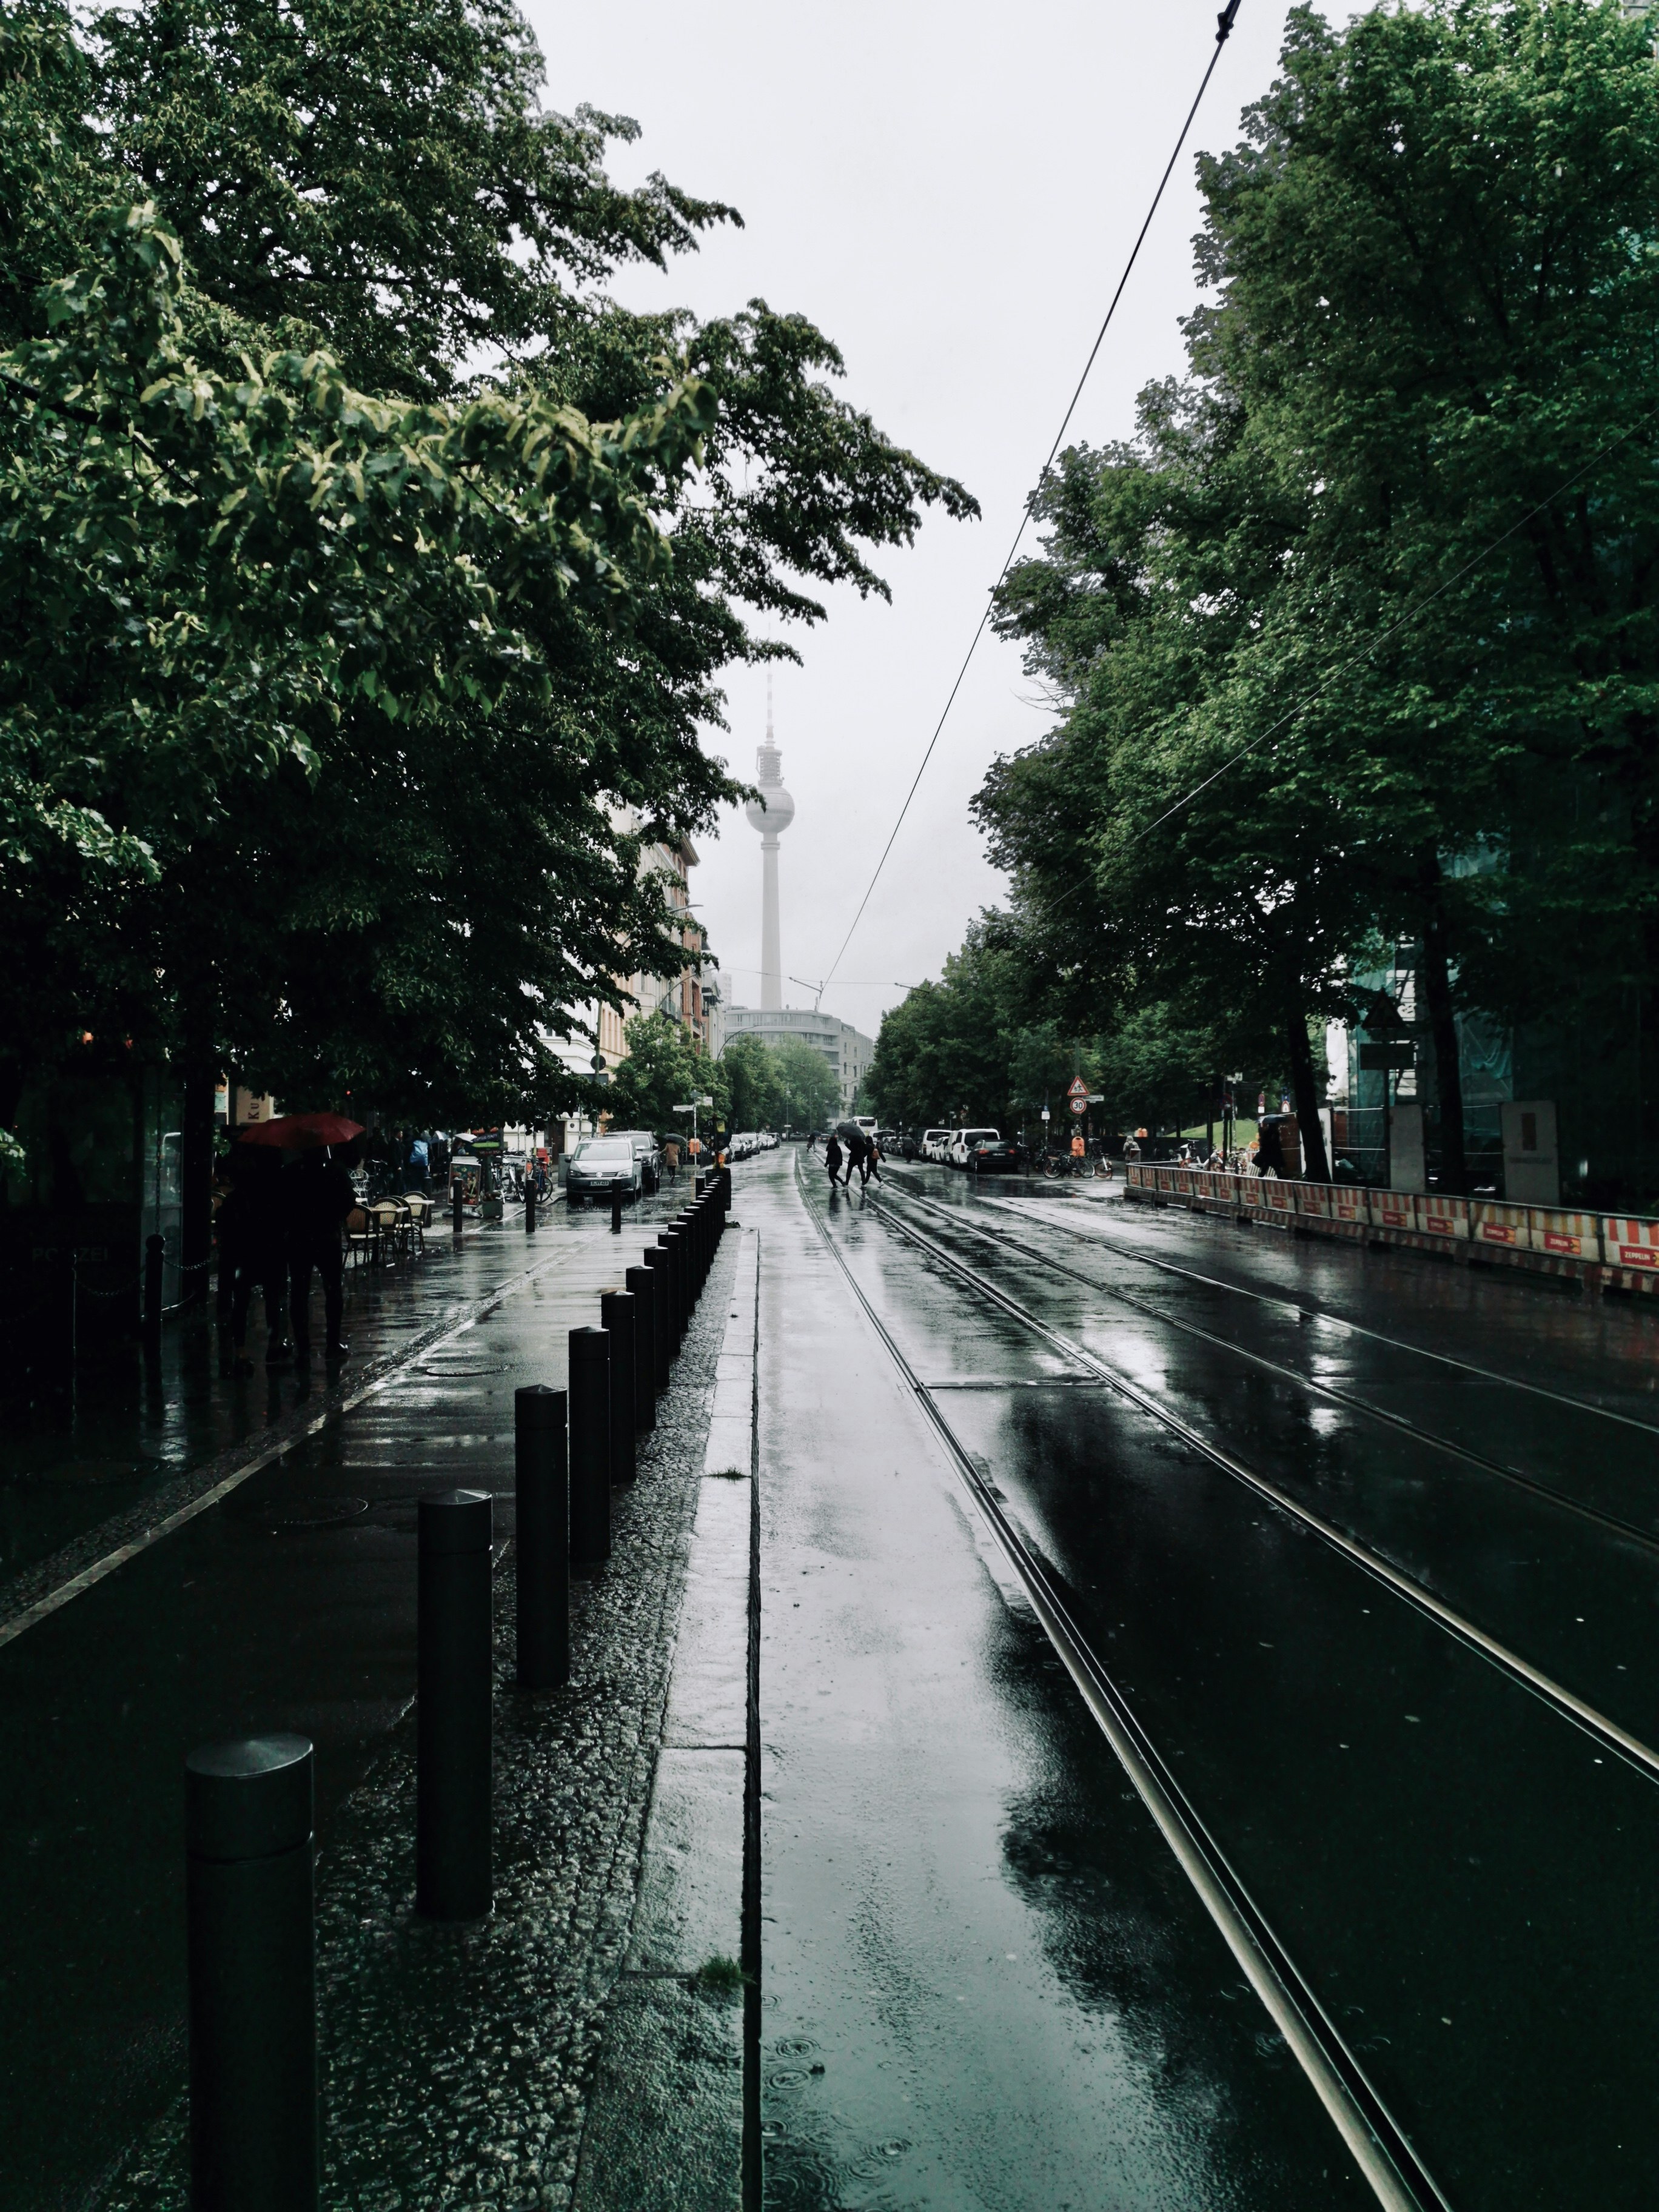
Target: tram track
{"points": [[1319, 1314], [1576, 1710], [1379, 2144], [1350, 1401]]}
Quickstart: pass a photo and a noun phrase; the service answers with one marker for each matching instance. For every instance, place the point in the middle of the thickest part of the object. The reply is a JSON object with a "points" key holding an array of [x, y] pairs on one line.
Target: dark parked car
{"points": [[648, 1153], [1000, 1157]]}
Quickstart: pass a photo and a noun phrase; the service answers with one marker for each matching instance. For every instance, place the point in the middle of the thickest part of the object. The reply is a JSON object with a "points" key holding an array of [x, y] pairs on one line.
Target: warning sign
{"points": [[1077, 1088]]}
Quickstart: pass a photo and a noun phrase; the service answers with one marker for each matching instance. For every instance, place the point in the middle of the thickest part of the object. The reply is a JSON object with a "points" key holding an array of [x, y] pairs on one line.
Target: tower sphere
{"points": [[772, 818]]}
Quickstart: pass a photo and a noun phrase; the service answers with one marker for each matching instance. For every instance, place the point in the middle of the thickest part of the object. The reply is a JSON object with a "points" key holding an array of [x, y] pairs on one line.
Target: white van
{"points": [[963, 1143], [935, 1143]]}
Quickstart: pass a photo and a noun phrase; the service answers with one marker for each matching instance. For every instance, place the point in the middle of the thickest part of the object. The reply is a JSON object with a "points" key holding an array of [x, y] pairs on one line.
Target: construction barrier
{"points": [[1622, 1250], [1630, 1244], [1442, 1217]]}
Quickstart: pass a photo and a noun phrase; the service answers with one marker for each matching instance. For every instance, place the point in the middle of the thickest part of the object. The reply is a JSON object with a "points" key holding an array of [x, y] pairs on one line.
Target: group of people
{"points": [[860, 1153], [279, 1222]]}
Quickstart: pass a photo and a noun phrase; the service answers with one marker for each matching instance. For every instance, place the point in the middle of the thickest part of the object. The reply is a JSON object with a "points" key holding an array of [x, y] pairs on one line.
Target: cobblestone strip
{"points": [[457, 2063], [665, 2122]]}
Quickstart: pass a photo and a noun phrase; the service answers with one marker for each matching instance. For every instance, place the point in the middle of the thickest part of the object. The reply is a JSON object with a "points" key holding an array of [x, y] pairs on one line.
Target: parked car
{"points": [[647, 1153], [965, 1141], [935, 1143], [1000, 1157], [769, 1138], [599, 1162]]}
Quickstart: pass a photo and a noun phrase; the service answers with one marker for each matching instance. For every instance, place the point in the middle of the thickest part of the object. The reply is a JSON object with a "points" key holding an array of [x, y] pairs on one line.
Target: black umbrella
{"points": [[851, 1132]]}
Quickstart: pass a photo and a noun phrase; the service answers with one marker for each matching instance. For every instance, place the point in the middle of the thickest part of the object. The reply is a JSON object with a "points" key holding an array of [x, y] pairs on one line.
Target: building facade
{"points": [[848, 1050], [682, 995]]}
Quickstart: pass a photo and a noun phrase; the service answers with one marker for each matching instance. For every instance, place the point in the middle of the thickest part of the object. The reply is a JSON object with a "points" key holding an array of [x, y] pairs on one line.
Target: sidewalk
{"points": [[86, 1468], [455, 2061]]}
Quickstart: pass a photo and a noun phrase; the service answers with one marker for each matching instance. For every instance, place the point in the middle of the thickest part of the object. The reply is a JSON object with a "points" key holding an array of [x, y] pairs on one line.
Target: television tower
{"points": [[771, 814]]}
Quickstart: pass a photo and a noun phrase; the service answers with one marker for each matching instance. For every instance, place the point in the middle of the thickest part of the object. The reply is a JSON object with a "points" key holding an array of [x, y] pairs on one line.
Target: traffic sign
{"points": [[1080, 1105], [1077, 1088]]}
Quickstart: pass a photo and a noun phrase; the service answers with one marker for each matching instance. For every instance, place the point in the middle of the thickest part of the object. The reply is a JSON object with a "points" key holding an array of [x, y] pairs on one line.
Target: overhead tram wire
{"points": [[1224, 22]]}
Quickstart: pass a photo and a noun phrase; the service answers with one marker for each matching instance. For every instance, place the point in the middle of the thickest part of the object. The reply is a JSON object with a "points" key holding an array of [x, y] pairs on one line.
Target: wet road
{"points": [[986, 1981], [288, 1604], [1387, 1624]]}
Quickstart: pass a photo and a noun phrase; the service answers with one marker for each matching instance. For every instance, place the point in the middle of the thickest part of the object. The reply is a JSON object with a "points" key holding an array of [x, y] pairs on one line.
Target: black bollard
{"points": [[541, 1544], [590, 1447], [156, 1253], [615, 1209], [529, 1205], [699, 1220], [458, 1209], [673, 1242], [642, 1282], [453, 1720], [251, 1950], [657, 1259], [619, 1319]]}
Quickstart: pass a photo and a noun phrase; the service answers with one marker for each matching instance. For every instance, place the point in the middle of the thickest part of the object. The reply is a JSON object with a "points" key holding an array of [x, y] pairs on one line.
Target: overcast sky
{"points": [[950, 193]]}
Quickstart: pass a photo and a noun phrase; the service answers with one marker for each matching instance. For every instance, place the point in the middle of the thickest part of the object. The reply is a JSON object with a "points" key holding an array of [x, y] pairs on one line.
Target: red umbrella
{"points": [[300, 1133]]}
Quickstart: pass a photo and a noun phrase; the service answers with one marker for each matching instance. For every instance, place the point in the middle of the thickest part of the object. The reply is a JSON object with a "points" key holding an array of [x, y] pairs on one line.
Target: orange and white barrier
{"points": [[1627, 1242], [1441, 1217], [1557, 1239]]}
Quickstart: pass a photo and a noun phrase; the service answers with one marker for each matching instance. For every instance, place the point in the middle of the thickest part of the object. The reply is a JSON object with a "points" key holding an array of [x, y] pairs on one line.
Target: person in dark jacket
{"points": [[253, 1248], [319, 1196], [832, 1161]]}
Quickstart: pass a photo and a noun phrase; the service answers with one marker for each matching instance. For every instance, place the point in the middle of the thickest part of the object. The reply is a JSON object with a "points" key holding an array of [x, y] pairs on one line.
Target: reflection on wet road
{"points": [[986, 1983], [1463, 1876]]}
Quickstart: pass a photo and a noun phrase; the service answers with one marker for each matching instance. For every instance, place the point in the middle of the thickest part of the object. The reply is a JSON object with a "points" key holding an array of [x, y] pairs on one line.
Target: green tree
{"points": [[808, 1091], [416, 826], [750, 1072], [661, 1072], [1326, 629]]}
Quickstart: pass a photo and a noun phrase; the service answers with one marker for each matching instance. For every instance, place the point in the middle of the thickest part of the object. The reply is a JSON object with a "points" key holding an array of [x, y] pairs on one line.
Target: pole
{"points": [[529, 1205], [642, 1283], [453, 1715], [541, 1548], [673, 1247], [251, 1951], [590, 1447], [616, 1208], [457, 1206], [618, 1317], [657, 1259], [156, 1253]]}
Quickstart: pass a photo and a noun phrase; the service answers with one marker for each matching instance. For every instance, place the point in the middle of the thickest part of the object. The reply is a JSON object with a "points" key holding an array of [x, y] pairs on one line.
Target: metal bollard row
{"points": [[255, 2138]]}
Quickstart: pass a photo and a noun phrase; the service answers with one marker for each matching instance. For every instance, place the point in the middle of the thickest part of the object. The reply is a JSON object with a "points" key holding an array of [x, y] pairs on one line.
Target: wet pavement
{"points": [[986, 1983], [1363, 1550], [290, 1604], [78, 1454], [1461, 1870]]}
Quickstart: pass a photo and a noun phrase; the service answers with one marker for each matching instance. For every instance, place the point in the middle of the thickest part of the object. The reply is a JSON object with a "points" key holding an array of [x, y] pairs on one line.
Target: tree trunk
{"points": [[196, 1182], [1443, 1029], [1304, 1087]]}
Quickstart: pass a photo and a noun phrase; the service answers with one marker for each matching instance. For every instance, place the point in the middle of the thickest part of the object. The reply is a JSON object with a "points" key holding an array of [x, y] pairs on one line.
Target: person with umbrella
{"points": [[858, 1147], [317, 1197]]}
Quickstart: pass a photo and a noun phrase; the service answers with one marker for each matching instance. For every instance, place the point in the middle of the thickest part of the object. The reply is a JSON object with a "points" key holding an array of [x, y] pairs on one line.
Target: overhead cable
{"points": [[1224, 22]]}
